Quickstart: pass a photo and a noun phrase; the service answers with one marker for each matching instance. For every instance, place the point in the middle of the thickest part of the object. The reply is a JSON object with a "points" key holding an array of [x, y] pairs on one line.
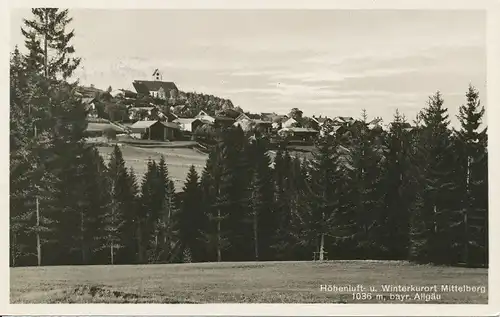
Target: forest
{"points": [[415, 191]]}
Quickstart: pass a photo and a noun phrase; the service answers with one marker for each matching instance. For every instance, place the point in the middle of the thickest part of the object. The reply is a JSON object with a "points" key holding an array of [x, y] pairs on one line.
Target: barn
{"points": [[155, 130]]}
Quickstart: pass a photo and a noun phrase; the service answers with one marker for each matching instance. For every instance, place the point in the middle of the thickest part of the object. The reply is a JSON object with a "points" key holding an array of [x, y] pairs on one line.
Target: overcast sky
{"points": [[328, 62]]}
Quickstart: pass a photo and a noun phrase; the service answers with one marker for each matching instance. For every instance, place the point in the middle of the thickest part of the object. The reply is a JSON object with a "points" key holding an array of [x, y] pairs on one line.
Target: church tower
{"points": [[157, 75]]}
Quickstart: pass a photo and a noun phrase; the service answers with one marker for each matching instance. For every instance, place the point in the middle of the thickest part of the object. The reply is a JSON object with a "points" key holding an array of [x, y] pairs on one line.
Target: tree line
{"points": [[415, 192]]}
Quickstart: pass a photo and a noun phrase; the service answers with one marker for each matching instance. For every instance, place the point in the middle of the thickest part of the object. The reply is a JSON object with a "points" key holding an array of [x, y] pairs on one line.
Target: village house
{"points": [[155, 88], [223, 122], [179, 109], [299, 134], [149, 113], [155, 130], [320, 121], [342, 120], [117, 93], [205, 117], [290, 122], [188, 124], [247, 123]]}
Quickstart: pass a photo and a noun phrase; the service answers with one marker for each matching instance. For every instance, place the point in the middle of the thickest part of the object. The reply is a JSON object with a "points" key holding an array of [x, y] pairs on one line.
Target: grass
{"points": [[178, 160], [249, 282]]}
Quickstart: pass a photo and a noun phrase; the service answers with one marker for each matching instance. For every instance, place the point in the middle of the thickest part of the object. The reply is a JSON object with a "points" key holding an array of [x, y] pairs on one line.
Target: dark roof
{"points": [[280, 118], [139, 126], [171, 125], [221, 118], [306, 130], [88, 100], [129, 93], [145, 86], [323, 119]]}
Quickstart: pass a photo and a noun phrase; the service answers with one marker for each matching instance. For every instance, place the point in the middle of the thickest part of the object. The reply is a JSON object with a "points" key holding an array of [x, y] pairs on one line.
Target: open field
{"points": [[250, 282], [178, 160]]}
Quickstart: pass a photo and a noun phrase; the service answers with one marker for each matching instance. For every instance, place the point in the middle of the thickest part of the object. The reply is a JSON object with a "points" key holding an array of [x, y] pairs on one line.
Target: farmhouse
{"points": [[223, 122], [205, 117], [321, 121], [288, 123], [247, 124], [303, 134], [188, 124], [156, 88], [155, 130], [343, 120]]}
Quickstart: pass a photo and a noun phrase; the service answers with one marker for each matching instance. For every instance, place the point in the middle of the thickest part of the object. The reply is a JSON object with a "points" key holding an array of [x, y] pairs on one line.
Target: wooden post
{"points": [[322, 248], [112, 253]]}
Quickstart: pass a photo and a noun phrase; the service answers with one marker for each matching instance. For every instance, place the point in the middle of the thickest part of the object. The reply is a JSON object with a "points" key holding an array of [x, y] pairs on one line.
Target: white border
{"points": [[493, 97]]}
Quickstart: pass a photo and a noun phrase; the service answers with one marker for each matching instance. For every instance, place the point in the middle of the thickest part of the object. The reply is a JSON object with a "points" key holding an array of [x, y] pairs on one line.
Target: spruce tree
{"points": [[261, 194], [431, 234], [235, 179], [123, 193], [471, 185], [95, 201], [191, 220], [133, 222], [395, 216], [281, 243], [215, 235], [49, 42], [57, 121], [322, 200], [364, 194]]}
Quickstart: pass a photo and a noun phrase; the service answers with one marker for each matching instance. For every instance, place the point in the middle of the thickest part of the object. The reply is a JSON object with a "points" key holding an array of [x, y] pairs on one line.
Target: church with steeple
{"points": [[156, 87]]}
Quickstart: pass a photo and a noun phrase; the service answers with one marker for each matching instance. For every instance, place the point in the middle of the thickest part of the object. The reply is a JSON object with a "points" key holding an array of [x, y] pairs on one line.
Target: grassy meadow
{"points": [[248, 282], [178, 160]]}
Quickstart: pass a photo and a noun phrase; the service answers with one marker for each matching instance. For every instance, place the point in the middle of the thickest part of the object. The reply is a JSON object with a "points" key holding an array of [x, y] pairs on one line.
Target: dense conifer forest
{"points": [[416, 191]]}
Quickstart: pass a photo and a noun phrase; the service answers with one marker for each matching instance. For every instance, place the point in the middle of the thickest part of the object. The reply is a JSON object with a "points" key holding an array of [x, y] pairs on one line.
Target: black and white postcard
{"points": [[250, 156]]}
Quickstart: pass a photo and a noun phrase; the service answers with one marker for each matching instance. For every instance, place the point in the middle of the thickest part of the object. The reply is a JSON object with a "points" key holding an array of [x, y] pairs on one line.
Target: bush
{"points": [[110, 134]]}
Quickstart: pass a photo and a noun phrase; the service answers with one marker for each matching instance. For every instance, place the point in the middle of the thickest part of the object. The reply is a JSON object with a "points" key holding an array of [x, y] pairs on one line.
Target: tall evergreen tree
{"points": [[365, 196], [133, 222], [123, 192], [395, 217], [215, 235], [191, 220], [49, 42], [431, 239], [471, 185], [261, 194], [95, 201], [323, 197], [282, 210]]}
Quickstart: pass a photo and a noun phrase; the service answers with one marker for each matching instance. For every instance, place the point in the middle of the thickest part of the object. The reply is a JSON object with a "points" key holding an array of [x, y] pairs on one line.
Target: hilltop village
{"points": [[159, 111]]}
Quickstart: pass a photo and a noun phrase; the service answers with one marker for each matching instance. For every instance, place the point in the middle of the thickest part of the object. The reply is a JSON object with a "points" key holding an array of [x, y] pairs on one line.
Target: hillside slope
{"points": [[178, 160]]}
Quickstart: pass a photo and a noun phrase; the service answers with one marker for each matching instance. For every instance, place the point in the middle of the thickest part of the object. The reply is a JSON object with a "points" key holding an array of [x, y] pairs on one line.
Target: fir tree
{"points": [[397, 194], [49, 42], [123, 193], [364, 194], [95, 201], [471, 187], [191, 220], [323, 197], [281, 243], [431, 235], [215, 235], [261, 200]]}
